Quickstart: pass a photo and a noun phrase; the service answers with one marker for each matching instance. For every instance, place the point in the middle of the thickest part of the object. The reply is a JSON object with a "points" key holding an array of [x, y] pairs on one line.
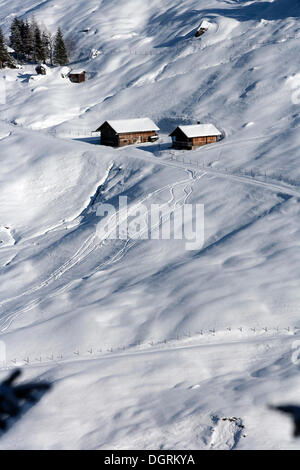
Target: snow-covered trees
{"points": [[60, 50], [47, 42], [4, 55], [39, 50], [16, 40], [31, 42], [27, 39]]}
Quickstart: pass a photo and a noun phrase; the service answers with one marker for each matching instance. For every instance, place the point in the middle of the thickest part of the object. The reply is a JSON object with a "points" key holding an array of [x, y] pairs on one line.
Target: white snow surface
{"points": [[150, 346]]}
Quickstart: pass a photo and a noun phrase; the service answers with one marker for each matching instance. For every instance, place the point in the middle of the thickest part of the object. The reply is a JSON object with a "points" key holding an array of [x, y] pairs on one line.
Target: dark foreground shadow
{"points": [[293, 411], [16, 400]]}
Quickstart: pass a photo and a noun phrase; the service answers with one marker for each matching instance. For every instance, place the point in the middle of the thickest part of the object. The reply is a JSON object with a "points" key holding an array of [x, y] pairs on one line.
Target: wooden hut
{"points": [[77, 76], [204, 26], [200, 32], [9, 60], [191, 137], [128, 132]]}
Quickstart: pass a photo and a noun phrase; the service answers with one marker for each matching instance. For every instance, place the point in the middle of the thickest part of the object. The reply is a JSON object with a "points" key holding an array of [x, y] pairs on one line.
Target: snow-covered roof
{"points": [[205, 24], [199, 130], [65, 70], [77, 72], [133, 125]]}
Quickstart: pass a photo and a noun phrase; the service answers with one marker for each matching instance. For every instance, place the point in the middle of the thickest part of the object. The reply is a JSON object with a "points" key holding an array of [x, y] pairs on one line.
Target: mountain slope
{"points": [[143, 335]]}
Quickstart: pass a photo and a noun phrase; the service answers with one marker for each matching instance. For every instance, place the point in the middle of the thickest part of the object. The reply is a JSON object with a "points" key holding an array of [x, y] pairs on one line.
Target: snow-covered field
{"points": [[150, 346]]}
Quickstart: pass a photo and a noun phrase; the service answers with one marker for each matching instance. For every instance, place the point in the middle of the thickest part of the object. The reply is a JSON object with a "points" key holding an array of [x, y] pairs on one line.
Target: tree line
{"points": [[31, 42]]}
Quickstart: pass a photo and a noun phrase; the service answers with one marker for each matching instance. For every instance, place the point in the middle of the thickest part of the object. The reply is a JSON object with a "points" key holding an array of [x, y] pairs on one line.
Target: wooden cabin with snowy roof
{"points": [[77, 76], [192, 137], [204, 26], [128, 131]]}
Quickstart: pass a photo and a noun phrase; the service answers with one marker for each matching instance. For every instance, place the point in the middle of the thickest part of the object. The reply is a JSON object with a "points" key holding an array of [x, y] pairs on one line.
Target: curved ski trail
{"points": [[92, 243]]}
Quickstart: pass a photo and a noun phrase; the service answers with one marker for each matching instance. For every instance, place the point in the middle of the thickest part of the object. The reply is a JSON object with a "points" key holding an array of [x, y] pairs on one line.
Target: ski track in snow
{"points": [[92, 243], [89, 246], [171, 389]]}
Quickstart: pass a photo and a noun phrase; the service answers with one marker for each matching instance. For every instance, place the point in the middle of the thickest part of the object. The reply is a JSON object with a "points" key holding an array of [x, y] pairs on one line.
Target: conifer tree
{"points": [[15, 37], [23, 32], [4, 55], [47, 45], [28, 41], [39, 51], [60, 50]]}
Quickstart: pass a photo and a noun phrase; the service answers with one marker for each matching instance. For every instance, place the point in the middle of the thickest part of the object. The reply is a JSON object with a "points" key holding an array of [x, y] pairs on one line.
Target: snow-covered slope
{"points": [[144, 335]]}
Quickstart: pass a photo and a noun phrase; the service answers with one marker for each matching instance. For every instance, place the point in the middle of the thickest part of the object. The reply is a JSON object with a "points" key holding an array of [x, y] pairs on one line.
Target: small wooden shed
{"points": [[204, 26], [77, 76], [128, 132], [191, 137], [9, 62]]}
